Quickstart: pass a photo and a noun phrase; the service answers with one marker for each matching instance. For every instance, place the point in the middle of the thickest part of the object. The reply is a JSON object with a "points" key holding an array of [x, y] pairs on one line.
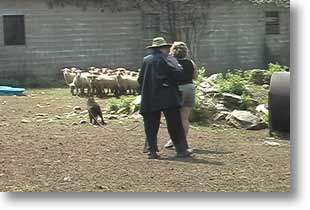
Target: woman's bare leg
{"points": [[185, 113]]}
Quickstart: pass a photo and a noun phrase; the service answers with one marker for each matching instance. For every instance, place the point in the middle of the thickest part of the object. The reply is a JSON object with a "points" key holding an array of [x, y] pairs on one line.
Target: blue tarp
{"points": [[10, 91]]}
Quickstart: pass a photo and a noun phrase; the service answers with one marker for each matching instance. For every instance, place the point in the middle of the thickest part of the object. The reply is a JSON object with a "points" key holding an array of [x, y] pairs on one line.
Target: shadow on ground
{"points": [[193, 160], [207, 152]]}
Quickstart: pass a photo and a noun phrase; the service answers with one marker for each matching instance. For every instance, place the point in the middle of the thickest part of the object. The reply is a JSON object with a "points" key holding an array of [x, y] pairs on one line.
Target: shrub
{"points": [[123, 105], [112, 105], [238, 82], [273, 68], [247, 76], [254, 76], [202, 73], [246, 102], [232, 83]]}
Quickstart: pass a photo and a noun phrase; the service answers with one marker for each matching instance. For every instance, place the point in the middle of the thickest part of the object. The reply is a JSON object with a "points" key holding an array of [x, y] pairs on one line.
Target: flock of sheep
{"points": [[101, 81]]}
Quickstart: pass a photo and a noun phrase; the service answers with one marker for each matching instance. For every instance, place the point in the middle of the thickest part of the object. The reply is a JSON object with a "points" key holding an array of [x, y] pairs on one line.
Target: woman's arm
{"points": [[172, 69], [141, 75], [195, 73]]}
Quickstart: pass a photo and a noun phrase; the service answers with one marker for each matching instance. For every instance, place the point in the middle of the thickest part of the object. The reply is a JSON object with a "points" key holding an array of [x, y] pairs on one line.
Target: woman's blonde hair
{"points": [[179, 50]]}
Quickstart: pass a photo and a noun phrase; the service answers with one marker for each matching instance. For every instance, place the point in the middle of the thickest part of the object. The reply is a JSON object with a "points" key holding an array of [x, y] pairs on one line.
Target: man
{"points": [[158, 80]]}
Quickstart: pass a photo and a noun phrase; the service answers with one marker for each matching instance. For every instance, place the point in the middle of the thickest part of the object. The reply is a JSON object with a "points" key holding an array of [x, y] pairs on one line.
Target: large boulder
{"points": [[242, 119], [231, 101], [262, 109], [221, 107], [211, 91], [207, 88], [232, 97], [221, 116], [212, 79], [258, 126]]}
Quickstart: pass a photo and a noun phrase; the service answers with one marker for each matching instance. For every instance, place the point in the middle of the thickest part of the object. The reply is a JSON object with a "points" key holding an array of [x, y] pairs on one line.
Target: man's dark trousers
{"points": [[175, 129]]}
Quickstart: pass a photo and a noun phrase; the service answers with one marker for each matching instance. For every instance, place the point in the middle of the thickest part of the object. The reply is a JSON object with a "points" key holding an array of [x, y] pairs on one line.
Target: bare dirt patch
{"points": [[47, 153]]}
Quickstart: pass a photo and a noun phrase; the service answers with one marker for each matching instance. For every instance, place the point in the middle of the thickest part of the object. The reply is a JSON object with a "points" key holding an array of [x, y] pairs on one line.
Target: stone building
{"points": [[38, 38]]}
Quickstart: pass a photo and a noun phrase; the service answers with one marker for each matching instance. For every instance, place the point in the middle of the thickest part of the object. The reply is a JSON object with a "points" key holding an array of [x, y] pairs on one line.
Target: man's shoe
{"points": [[153, 155], [169, 144], [184, 154], [146, 150]]}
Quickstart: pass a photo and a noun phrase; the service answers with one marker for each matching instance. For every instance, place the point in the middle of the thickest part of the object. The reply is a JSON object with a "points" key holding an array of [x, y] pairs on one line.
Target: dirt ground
{"points": [[48, 153]]}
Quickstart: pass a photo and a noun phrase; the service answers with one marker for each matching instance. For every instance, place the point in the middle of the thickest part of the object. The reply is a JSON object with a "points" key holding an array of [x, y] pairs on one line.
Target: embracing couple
{"points": [[166, 84]]}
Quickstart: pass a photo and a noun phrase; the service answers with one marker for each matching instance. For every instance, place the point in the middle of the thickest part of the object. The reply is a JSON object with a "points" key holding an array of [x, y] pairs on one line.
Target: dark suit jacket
{"points": [[158, 84]]}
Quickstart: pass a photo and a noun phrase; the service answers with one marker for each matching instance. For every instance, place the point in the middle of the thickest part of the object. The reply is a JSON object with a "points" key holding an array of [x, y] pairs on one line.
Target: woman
{"points": [[180, 51], [158, 82]]}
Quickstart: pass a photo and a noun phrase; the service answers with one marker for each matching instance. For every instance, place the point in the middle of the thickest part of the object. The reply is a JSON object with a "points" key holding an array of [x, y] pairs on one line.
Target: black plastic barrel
{"points": [[279, 102]]}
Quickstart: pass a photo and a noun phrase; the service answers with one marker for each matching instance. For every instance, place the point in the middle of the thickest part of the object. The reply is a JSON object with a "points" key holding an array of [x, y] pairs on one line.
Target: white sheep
{"points": [[68, 77], [82, 82], [102, 82], [111, 83], [133, 84], [127, 82]]}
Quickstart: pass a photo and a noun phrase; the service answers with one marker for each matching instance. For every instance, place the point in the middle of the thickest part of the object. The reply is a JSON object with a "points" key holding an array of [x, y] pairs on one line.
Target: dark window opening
{"points": [[14, 30], [272, 22], [151, 26]]}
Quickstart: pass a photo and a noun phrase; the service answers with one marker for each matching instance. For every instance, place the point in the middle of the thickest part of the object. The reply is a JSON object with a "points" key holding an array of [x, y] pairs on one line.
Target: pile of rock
{"points": [[227, 105]]}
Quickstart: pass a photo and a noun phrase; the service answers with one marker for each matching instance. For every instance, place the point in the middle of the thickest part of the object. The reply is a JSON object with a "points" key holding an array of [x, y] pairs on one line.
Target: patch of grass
{"points": [[259, 93], [122, 105], [265, 118]]}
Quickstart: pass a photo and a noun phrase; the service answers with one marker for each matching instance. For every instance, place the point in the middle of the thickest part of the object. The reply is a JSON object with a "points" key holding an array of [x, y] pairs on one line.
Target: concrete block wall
{"points": [[239, 40], [69, 36]]}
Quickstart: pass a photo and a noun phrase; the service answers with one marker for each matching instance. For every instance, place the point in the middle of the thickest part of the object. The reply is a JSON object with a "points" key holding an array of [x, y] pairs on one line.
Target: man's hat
{"points": [[159, 42]]}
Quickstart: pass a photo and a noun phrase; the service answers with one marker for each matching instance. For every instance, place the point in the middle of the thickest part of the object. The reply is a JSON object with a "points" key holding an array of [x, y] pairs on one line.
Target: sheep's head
{"points": [[119, 75], [92, 77], [65, 70], [78, 73], [121, 69]]}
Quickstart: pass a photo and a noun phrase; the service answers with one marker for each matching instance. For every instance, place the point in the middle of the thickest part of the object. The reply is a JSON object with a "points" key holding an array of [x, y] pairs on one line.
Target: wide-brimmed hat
{"points": [[159, 42]]}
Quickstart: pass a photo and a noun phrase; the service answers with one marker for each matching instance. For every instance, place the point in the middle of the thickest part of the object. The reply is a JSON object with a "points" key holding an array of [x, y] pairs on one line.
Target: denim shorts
{"points": [[188, 94]]}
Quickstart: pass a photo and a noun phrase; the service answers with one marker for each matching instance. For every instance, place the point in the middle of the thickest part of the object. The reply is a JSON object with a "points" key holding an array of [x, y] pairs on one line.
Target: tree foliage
{"points": [[118, 5], [282, 3]]}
